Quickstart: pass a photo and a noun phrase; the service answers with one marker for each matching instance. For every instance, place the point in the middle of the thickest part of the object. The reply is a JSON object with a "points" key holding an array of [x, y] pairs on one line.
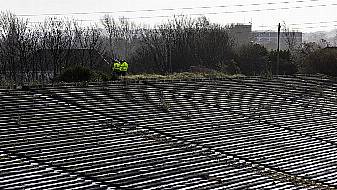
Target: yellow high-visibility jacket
{"points": [[117, 67], [124, 66]]}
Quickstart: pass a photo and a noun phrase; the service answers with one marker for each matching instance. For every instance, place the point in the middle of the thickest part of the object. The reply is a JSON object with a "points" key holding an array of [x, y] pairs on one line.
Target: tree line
{"points": [[178, 45]]}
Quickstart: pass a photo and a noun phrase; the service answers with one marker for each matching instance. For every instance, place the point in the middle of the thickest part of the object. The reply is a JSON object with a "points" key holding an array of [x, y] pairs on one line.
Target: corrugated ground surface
{"points": [[247, 133]]}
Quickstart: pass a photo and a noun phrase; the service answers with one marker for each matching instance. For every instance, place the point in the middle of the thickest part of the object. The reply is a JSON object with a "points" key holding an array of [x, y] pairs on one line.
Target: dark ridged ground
{"points": [[247, 133]]}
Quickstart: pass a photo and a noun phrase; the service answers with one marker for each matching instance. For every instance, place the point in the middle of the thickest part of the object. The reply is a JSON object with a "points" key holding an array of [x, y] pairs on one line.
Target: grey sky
{"points": [[322, 13]]}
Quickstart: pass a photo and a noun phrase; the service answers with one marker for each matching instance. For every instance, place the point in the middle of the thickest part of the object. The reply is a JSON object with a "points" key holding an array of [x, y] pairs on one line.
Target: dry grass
{"points": [[184, 75]]}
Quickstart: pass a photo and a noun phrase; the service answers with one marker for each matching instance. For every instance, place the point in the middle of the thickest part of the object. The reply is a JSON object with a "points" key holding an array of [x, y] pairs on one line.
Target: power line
{"points": [[316, 27], [240, 11], [305, 23], [231, 12], [166, 9], [310, 27], [270, 26]]}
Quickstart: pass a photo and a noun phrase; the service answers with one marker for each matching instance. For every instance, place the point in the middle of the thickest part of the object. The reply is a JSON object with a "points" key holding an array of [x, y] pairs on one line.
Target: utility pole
{"points": [[278, 49]]}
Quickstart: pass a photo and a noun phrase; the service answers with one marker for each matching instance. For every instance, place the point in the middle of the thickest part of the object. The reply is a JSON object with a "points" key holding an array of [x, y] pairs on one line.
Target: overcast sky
{"points": [[317, 15]]}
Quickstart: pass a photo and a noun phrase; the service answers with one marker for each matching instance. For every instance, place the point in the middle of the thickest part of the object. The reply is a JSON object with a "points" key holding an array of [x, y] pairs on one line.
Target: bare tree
{"points": [[184, 42], [92, 41], [290, 38], [122, 34], [6, 46], [110, 26], [17, 45], [56, 36]]}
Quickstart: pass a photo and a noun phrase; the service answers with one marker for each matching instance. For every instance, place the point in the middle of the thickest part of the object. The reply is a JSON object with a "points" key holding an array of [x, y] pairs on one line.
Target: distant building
{"points": [[241, 33], [268, 39]]}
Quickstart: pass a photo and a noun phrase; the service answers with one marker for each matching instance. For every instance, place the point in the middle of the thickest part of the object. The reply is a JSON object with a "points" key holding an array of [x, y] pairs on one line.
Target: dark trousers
{"points": [[116, 74], [123, 73]]}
